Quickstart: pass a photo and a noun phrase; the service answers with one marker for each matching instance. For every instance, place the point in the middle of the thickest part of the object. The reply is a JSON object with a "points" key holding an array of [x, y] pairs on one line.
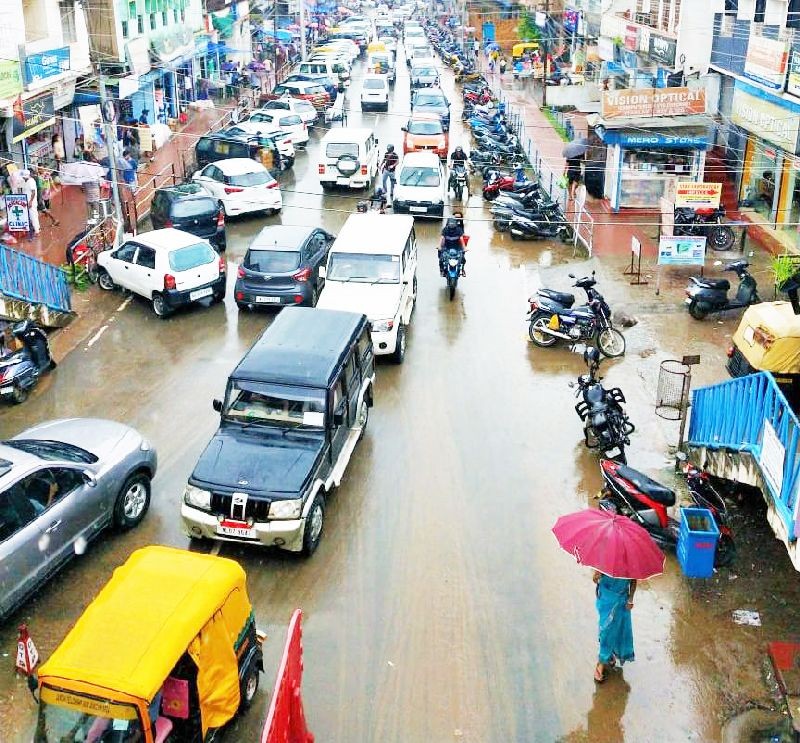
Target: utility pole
{"points": [[302, 24], [111, 138], [545, 51]]}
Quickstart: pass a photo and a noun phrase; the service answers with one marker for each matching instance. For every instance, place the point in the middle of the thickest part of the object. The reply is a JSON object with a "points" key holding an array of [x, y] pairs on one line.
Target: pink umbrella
{"points": [[610, 543]]}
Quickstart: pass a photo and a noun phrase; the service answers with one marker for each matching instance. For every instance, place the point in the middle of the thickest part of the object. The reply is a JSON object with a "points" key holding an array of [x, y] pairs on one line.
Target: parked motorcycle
{"points": [[551, 318], [706, 296], [633, 494], [705, 222], [539, 227], [504, 214], [498, 182], [458, 182], [606, 427], [20, 370]]}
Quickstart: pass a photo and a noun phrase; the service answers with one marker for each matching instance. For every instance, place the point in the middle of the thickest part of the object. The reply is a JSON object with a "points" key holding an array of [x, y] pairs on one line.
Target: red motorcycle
{"points": [[496, 182], [477, 97]]}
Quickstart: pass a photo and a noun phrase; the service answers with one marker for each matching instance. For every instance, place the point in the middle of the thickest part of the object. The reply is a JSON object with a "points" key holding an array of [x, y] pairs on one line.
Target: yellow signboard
{"points": [[697, 195]]}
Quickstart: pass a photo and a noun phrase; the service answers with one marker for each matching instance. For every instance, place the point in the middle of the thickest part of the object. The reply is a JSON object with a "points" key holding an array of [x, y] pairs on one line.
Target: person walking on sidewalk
{"points": [[388, 166], [573, 173], [45, 184], [503, 65], [31, 193], [614, 603]]}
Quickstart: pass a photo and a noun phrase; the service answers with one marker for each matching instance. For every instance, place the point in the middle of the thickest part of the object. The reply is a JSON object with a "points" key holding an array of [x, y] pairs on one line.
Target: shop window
{"points": [[140, 23], [761, 170], [183, 15], [175, 14], [66, 9], [761, 10], [124, 29], [731, 7], [132, 10], [153, 24], [164, 18], [793, 14], [34, 13]]}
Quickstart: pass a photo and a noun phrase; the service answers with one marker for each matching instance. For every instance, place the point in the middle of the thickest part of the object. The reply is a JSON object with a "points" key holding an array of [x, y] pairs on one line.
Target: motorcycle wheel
{"points": [[726, 552], [19, 395], [697, 311], [539, 338], [451, 287], [500, 226], [458, 192], [721, 237], [611, 343], [490, 195]]}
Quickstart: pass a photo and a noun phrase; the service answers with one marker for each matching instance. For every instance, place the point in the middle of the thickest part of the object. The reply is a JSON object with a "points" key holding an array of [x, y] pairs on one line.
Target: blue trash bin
{"points": [[697, 542]]}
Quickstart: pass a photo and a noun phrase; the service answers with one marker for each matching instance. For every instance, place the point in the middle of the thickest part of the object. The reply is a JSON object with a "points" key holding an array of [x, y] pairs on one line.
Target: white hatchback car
{"points": [[169, 267], [241, 185], [421, 187], [375, 93], [304, 109], [295, 129]]}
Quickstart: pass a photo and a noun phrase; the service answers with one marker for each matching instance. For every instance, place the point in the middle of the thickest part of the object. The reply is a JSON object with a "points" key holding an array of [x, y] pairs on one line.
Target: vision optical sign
{"points": [[639, 102], [768, 120]]}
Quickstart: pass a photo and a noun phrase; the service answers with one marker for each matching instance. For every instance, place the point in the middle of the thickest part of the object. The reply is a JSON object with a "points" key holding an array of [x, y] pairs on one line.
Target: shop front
{"points": [[770, 185]]}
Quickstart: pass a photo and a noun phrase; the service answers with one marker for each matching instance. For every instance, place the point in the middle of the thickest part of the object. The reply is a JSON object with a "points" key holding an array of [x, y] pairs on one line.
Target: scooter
{"points": [[707, 296], [503, 215], [606, 427], [498, 182], [20, 370], [633, 494]]}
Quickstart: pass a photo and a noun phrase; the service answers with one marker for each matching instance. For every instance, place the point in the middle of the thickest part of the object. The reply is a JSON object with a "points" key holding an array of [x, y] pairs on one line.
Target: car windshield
{"points": [[259, 118], [192, 256], [272, 261], [424, 72], [425, 127], [291, 120], [194, 208], [337, 149], [370, 268], [274, 404], [258, 178], [51, 450], [372, 84], [426, 99], [419, 176], [69, 717]]}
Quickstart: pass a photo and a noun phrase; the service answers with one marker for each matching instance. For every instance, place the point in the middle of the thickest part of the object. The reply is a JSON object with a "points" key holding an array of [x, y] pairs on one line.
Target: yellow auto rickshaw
{"points": [[167, 651], [518, 50], [768, 339], [376, 46]]}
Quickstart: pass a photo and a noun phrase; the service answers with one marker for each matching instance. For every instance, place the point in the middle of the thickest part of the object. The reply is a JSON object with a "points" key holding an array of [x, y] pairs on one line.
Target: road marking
{"points": [[216, 548], [96, 337], [124, 304]]}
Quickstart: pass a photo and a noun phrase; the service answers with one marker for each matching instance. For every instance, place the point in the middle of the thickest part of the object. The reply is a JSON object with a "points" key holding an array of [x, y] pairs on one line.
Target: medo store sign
{"points": [[775, 123], [638, 102]]}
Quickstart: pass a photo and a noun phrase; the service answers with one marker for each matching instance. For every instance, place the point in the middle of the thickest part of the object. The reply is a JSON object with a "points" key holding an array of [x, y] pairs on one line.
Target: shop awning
{"points": [[223, 24], [650, 122], [86, 98]]}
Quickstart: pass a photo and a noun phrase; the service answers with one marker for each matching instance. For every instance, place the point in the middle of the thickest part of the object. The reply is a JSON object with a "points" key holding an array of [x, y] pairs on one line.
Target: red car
{"points": [[425, 132]]}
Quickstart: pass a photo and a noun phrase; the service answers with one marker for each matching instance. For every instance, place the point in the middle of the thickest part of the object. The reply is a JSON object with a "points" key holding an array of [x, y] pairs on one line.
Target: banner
{"points": [[681, 251], [10, 79], [771, 121], [766, 61], [32, 116], [698, 195], [642, 102], [17, 212]]}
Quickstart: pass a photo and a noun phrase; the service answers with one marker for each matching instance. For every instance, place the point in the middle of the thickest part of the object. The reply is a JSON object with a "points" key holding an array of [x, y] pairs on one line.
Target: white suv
{"points": [[375, 93], [169, 267]]}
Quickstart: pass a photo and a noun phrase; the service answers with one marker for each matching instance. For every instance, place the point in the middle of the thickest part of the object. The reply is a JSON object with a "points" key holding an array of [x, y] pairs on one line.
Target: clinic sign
{"points": [[766, 61], [697, 195], [643, 102], [777, 124], [681, 251]]}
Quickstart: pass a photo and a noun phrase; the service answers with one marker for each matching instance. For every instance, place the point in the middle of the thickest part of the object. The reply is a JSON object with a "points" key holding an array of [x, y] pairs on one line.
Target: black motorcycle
{"points": [[606, 427], [551, 318], [458, 182], [541, 227], [503, 216], [20, 370], [705, 222], [706, 296]]}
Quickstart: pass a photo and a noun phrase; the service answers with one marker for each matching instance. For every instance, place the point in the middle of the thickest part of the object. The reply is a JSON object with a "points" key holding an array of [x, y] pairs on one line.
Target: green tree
{"points": [[527, 30]]}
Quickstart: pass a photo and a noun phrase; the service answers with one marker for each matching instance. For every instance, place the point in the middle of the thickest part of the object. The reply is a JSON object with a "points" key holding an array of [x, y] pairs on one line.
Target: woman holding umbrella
{"points": [[574, 153], [614, 603]]}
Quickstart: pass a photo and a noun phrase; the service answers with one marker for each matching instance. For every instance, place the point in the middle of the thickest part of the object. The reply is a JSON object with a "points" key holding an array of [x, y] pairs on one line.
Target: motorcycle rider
{"points": [[457, 157], [389, 164], [453, 237]]}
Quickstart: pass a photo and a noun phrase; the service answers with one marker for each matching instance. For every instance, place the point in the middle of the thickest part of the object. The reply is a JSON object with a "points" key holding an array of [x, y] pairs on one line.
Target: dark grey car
{"points": [[281, 267], [61, 484], [432, 101]]}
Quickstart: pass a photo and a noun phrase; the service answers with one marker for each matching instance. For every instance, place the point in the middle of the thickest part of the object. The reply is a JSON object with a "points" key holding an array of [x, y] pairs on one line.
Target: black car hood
{"points": [[259, 459]]}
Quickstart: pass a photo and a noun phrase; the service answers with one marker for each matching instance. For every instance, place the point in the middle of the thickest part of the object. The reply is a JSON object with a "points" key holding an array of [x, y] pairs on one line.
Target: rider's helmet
{"points": [[390, 148], [451, 228], [459, 149], [591, 356]]}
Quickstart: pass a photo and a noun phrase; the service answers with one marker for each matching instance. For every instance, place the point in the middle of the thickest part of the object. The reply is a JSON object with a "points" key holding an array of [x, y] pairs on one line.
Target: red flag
{"points": [[19, 111]]}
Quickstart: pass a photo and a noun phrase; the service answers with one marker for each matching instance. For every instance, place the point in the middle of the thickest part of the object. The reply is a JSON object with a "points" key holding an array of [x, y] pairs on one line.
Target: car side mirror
{"points": [[322, 272], [90, 479], [217, 405], [338, 419]]}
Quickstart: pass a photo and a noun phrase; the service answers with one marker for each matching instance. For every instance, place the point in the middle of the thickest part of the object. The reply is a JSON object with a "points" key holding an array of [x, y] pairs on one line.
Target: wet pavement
{"points": [[438, 606]]}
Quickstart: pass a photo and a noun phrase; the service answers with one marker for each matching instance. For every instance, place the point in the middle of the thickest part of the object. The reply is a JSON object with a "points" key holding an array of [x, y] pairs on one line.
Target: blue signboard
{"points": [[644, 139], [47, 64]]}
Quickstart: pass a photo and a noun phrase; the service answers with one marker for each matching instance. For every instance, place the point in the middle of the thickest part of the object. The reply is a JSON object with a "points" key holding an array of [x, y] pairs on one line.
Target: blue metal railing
{"points": [[731, 415], [31, 280]]}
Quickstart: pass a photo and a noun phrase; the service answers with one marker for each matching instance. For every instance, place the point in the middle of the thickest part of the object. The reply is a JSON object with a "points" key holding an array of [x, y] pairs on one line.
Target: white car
{"points": [[169, 267], [295, 129], [421, 187], [241, 185], [389, 42], [348, 47], [375, 93], [304, 109]]}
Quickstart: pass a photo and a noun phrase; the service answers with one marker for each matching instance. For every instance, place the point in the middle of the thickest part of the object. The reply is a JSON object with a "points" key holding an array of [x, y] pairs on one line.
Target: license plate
{"points": [[267, 300], [6, 390], [200, 293], [236, 529], [421, 209], [343, 181], [615, 452]]}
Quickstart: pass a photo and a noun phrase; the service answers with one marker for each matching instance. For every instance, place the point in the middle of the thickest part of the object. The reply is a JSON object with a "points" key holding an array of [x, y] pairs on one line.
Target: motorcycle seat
{"points": [[720, 284], [562, 298], [652, 489]]}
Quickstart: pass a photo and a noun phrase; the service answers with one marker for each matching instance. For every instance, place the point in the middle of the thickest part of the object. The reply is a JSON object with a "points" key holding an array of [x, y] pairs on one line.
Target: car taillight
{"points": [[304, 274], [731, 351], [3, 373], [169, 281], [222, 265], [240, 272], [287, 140], [221, 218], [298, 298], [274, 184], [168, 223], [321, 169], [233, 189], [363, 170]]}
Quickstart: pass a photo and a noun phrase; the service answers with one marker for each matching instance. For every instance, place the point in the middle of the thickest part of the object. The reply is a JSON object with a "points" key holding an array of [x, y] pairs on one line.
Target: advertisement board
{"points": [[681, 251], [697, 195], [17, 211], [766, 61], [44, 65], [639, 102], [10, 78], [770, 121], [32, 116]]}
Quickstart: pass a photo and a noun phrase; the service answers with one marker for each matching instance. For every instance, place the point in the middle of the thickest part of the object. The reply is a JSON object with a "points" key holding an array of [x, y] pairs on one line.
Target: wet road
{"points": [[438, 606]]}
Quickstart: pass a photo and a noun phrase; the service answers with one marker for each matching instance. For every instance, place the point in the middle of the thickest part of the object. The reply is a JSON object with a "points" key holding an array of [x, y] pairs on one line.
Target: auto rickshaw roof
{"points": [[519, 49], [769, 337], [133, 633]]}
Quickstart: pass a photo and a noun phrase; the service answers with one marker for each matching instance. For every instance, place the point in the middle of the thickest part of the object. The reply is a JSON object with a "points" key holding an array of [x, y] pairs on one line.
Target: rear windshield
{"points": [[192, 256], [193, 208], [291, 120], [304, 106], [368, 268], [224, 148], [249, 179], [427, 99], [424, 71], [419, 177], [425, 127], [272, 261], [372, 84], [259, 118], [337, 149]]}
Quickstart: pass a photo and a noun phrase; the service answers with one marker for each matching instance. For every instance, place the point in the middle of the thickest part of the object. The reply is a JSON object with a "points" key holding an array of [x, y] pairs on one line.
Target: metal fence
{"points": [[30, 280], [138, 206], [732, 415]]}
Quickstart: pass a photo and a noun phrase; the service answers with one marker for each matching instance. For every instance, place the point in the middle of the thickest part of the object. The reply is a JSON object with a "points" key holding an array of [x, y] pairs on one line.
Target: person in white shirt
{"points": [[30, 191]]}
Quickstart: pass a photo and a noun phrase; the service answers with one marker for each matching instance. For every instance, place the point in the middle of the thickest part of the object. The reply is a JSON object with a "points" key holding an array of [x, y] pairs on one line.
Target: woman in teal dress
{"points": [[614, 603]]}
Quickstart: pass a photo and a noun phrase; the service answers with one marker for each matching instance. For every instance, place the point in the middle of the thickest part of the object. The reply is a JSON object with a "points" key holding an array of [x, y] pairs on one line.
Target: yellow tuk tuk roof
{"points": [[145, 618], [376, 46], [519, 49], [769, 337]]}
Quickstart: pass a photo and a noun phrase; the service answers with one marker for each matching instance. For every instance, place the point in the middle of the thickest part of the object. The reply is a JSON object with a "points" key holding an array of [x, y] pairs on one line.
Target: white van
{"points": [[372, 269], [349, 157], [375, 93]]}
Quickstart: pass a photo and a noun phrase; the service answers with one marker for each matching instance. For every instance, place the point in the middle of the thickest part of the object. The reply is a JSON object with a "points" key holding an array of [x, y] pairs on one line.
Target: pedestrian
{"points": [[129, 171], [503, 64], [389, 166], [91, 192], [45, 185], [614, 603], [59, 155], [491, 65], [573, 173], [31, 193]]}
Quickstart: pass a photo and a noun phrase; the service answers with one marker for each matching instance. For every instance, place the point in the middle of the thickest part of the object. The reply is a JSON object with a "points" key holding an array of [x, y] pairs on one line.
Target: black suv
{"points": [[190, 208], [223, 145]]}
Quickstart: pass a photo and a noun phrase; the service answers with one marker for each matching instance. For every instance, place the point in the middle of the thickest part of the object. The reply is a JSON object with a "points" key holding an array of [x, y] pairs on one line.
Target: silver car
{"points": [[61, 484]]}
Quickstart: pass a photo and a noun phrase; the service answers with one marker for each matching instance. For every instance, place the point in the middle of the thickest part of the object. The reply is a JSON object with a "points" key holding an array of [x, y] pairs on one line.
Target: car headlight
{"points": [[382, 326], [285, 509], [197, 497]]}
